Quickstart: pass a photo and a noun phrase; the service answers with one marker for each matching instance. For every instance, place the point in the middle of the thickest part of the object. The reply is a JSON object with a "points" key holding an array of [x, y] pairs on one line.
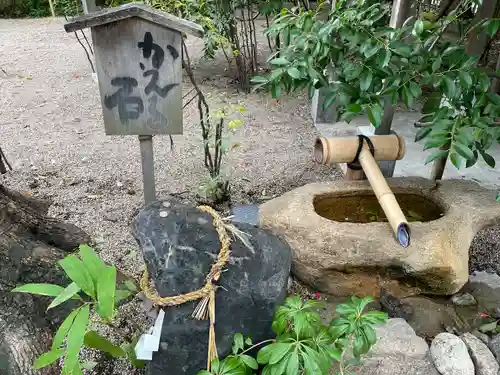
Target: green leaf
{"points": [[294, 73], [455, 160], [436, 64], [370, 334], [88, 365], [279, 61], [488, 158], [129, 348], [248, 341], [384, 57], [375, 113], [77, 370], [276, 91], [418, 27], [63, 329], [433, 103], [366, 80], [77, 272], [407, 97], [449, 87], [75, 338], [493, 98], [92, 261], [106, 287], [437, 155], [264, 354], [120, 295], [463, 150], [493, 27], [48, 358], [498, 197], [238, 343], [95, 341], [259, 79], [488, 327], [279, 350], [356, 108], [422, 133], [292, 367], [465, 79], [330, 99], [70, 291], [249, 361], [50, 290], [435, 142], [415, 89]]}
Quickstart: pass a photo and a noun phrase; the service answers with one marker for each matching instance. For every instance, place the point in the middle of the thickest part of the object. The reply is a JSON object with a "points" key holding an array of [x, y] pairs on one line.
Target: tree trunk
{"points": [[30, 245]]}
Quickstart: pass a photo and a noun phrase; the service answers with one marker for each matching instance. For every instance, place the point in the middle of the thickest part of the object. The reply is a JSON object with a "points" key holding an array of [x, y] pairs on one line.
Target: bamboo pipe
{"points": [[325, 155]]}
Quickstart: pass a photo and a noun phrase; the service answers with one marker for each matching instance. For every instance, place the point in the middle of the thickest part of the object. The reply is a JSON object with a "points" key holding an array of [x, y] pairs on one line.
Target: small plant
{"points": [[304, 344], [217, 144], [93, 288]]}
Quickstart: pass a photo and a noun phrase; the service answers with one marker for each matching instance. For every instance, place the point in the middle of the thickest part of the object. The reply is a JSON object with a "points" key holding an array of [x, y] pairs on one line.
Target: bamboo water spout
{"points": [[366, 151]]}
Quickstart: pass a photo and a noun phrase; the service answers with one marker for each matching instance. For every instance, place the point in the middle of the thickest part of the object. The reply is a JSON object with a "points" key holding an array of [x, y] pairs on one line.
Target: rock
{"points": [[494, 346], [485, 287], [463, 299], [481, 336], [450, 355], [430, 318], [179, 250], [393, 306], [398, 351], [346, 258], [483, 359]]}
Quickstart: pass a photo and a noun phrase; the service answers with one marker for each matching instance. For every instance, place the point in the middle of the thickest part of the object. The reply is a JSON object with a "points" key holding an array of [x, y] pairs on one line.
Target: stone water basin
{"points": [[343, 245]]}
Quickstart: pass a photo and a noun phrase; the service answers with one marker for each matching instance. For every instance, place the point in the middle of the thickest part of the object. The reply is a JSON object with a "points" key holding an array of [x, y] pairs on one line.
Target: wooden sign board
{"points": [[139, 67]]}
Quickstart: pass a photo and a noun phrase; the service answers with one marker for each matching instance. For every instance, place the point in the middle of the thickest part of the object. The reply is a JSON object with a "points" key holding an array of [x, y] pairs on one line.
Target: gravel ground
{"points": [[52, 132]]}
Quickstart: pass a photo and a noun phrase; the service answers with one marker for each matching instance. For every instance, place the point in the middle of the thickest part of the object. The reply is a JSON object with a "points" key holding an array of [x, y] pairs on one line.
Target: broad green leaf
{"points": [[375, 113], [249, 361], [279, 350], [488, 327], [294, 72], [465, 79], [437, 155], [120, 295], [92, 261], [449, 87], [279, 61], [456, 160], [229, 364], [276, 91], [63, 329], [422, 133], [436, 64], [129, 348], [238, 343], [78, 273], [360, 344], [418, 27], [470, 162], [356, 108], [493, 98], [366, 80], [77, 370], [292, 367], [130, 285], [329, 100], [88, 365], [488, 159], [95, 341], [50, 290], [498, 197], [70, 291], [435, 143], [370, 334], [75, 338], [48, 358], [384, 57], [264, 354], [204, 372], [415, 89], [493, 27], [259, 79], [248, 341], [407, 97], [463, 150], [106, 287]]}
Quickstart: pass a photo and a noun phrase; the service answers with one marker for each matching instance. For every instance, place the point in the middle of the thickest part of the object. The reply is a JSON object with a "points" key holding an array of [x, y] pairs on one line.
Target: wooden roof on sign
{"points": [[123, 12]]}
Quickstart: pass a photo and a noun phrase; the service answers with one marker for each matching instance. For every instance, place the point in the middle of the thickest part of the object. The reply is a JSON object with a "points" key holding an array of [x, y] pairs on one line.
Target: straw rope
{"points": [[206, 307]]}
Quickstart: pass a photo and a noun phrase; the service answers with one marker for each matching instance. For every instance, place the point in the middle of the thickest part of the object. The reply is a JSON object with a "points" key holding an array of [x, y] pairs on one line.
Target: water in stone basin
{"points": [[366, 209]]}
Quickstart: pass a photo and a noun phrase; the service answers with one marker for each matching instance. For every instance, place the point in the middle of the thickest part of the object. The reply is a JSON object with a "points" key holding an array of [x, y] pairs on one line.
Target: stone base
{"points": [[345, 258]]}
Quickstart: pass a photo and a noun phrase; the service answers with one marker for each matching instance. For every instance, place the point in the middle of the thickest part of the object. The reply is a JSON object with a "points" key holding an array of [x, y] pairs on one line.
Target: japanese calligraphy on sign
{"points": [[139, 66]]}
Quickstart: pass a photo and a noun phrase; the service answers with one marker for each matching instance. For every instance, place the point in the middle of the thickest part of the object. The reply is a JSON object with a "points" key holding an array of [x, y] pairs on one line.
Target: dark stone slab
{"points": [[180, 244]]}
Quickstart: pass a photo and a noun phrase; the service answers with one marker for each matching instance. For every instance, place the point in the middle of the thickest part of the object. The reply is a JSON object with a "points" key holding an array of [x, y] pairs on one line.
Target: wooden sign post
{"points": [[138, 56]]}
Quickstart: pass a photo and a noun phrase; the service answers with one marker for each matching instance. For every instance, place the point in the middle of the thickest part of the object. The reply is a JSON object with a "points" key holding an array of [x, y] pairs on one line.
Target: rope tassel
{"points": [[206, 307]]}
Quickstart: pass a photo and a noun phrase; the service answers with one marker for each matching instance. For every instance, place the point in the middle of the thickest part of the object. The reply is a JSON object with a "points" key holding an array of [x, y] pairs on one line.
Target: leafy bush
{"points": [[94, 288], [364, 65], [304, 344]]}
